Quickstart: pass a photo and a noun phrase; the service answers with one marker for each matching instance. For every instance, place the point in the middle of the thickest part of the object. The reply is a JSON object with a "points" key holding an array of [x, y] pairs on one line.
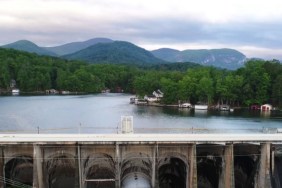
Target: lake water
{"points": [[101, 113]]}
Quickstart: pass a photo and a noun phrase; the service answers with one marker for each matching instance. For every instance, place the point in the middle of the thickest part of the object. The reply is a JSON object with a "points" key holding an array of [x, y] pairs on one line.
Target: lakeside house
{"points": [[266, 107], [157, 96]]}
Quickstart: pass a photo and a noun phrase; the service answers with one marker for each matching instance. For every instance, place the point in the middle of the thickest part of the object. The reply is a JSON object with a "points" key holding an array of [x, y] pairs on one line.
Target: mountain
{"points": [[118, 52], [167, 54], [223, 58], [27, 46], [76, 46]]}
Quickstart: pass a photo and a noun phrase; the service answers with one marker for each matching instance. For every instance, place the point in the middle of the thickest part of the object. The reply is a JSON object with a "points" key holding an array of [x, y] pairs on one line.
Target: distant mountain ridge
{"points": [[223, 58], [73, 47], [116, 52], [104, 50], [27, 46]]}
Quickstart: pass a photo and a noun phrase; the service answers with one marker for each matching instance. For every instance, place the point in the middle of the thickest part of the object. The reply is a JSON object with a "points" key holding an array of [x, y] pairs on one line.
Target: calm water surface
{"points": [[102, 113]]}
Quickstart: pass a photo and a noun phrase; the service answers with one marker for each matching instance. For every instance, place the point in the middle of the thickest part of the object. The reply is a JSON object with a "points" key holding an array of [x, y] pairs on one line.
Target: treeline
{"points": [[38, 73], [257, 82]]}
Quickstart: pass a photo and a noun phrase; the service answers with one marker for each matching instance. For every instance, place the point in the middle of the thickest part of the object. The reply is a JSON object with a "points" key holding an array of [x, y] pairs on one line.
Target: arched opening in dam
{"points": [[136, 171], [100, 170], [19, 172], [61, 172], [246, 159], [277, 174], [172, 173], [208, 170], [209, 165]]}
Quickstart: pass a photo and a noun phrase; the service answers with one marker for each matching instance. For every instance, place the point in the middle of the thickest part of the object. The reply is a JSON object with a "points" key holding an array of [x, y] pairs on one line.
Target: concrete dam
{"points": [[141, 160]]}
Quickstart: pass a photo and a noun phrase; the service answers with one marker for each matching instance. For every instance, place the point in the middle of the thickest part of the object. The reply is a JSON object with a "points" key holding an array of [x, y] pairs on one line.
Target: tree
{"points": [[205, 90], [277, 90], [5, 77], [170, 90], [256, 83]]}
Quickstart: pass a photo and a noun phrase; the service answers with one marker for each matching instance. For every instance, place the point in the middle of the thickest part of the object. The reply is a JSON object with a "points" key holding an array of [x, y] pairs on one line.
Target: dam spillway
{"points": [[150, 160]]}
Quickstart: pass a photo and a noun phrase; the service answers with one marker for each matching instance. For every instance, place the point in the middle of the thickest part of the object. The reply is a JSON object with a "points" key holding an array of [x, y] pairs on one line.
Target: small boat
{"points": [[201, 107], [141, 102], [224, 107], [132, 100], [185, 105], [15, 91], [65, 92]]}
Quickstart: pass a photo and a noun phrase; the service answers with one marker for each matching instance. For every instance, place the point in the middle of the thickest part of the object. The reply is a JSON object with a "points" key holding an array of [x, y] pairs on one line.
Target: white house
{"points": [[266, 107], [158, 94], [151, 98]]}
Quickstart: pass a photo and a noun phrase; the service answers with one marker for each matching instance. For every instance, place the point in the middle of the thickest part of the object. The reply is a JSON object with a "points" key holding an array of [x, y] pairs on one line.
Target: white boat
{"points": [[224, 107], [141, 101], [15, 91], [201, 107], [65, 92], [185, 105]]}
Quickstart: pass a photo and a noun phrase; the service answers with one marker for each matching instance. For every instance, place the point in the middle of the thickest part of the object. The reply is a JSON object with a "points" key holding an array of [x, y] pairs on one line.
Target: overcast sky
{"points": [[253, 27]]}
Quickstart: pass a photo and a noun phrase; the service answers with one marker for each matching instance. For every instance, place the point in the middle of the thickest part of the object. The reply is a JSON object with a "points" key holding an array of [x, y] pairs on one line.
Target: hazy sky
{"points": [[252, 26]]}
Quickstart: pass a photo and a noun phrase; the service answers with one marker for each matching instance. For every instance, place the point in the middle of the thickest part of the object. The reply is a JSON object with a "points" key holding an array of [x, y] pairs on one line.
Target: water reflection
{"points": [[101, 114]]}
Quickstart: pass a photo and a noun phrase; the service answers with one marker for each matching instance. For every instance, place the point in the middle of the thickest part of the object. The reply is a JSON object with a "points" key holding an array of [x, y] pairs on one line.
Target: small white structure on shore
{"points": [[151, 98], [127, 124], [266, 107], [158, 94]]}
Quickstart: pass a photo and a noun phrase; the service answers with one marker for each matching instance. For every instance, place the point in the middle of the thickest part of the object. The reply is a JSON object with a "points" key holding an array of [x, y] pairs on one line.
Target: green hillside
{"points": [[76, 46], [118, 52], [27, 46]]}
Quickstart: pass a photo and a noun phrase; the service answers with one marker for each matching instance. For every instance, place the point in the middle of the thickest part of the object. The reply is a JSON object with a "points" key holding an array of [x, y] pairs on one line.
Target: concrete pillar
{"points": [[154, 181], [191, 180], [2, 165], [227, 176], [263, 179], [272, 162], [118, 159], [79, 167], [38, 180]]}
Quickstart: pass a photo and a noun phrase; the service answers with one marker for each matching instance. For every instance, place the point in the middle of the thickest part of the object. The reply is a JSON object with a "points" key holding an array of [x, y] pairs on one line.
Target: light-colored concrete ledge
{"points": [[185, 138]]}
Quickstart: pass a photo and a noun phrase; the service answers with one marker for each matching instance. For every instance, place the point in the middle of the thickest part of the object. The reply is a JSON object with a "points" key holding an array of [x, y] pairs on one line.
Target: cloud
{"points": [[181, 23]]}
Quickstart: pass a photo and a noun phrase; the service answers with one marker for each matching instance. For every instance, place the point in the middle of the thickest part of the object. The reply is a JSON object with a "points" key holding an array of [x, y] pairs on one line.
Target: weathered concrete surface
{"points": [[38, 179], [2, 164], [192, 176], [264, 178], [227, 175], [97, 162], [115, 158]]}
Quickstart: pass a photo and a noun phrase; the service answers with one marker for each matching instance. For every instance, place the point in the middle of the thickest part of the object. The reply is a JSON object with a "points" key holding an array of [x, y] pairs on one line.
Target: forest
{"points": [[257, 82]]}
